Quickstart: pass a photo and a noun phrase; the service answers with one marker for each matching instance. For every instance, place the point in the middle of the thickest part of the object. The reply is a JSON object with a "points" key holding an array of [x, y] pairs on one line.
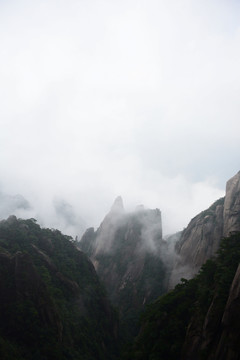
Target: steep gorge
{"points": [[199, 318], [136, 265], [53, 305]]}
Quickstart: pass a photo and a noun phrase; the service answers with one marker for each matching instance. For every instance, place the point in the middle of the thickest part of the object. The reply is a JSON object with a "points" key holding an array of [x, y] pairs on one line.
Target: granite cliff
{"points": [[127, 251], [231, 213], [200, 240], [53, 306]]}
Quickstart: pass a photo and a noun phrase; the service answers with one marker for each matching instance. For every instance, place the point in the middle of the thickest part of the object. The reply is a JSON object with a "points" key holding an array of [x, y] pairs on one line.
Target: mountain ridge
{"points": [[52, 305]]}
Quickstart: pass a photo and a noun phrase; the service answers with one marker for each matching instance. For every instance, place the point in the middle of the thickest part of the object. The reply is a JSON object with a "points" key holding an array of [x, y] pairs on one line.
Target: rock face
{"points": [[117, 206], [127, 252], [200, 240], [232, 205]]}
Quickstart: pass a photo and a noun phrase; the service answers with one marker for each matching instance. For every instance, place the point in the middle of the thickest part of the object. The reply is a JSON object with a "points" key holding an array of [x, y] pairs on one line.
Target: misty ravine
{"points": [[106, 98], [117, 293]]}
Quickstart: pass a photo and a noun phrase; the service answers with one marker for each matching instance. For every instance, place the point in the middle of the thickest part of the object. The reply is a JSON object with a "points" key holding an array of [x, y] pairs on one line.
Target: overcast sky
{"points": [[106, 98]]}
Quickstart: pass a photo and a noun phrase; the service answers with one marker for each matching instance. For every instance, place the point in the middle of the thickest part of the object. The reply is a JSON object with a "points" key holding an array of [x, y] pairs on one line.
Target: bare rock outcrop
{"points": [[200, 240], [126, 253], [232, 205]]}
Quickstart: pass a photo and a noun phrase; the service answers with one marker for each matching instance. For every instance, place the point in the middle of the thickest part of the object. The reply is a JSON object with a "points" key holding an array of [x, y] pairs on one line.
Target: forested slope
{"points": [[200, 318], [52, 305]]}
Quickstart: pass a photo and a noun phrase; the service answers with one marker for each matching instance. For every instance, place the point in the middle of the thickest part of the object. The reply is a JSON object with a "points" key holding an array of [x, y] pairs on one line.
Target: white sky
{"points": [[106, 98]]}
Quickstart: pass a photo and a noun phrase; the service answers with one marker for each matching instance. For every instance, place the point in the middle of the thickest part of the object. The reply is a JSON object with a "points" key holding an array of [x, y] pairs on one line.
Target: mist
{"points": [[132, 98], [140, 230]]}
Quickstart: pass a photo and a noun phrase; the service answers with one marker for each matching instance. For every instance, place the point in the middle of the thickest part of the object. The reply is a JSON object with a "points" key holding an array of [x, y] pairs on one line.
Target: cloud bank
{"points": [[107, 98]]}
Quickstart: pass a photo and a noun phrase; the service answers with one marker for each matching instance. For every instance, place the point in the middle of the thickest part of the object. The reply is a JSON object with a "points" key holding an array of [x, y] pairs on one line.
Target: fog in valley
{"points": [[131, 98]]}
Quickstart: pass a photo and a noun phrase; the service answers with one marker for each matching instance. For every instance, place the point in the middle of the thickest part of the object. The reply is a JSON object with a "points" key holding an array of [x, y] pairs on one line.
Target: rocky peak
{"points": [[106, 231], [200, 240], [117, 206], [232, 205], [140, 208], [126, 252]]}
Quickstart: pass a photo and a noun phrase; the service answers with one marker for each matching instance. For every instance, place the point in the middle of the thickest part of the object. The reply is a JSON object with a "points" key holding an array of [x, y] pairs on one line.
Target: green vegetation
{"points": [[132, 273], [165, 323], [52, 305]]}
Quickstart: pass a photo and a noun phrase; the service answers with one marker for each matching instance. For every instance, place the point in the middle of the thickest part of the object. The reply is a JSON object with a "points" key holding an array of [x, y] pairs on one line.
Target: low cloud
{"points": [[132, 98], [13, 205]]}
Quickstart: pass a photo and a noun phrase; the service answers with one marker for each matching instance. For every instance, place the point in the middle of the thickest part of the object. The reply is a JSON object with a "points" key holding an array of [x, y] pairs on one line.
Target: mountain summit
{"points": [[117, 206], [127, 251]]}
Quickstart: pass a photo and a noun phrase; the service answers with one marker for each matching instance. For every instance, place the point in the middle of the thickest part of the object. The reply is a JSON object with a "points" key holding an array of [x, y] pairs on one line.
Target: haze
{"points": [[107, 98]]}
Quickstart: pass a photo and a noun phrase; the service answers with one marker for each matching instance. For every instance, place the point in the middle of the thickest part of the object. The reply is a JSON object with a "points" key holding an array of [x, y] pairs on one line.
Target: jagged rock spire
{"points": [[117, 206]]}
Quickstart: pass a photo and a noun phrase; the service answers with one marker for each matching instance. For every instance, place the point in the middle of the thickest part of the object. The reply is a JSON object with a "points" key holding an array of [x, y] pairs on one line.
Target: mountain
{"points": [[231, 213], [199, 319], [10, 204], [66, 218], [129, 255], [52, 305], [136, 265], [200, 240]]}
